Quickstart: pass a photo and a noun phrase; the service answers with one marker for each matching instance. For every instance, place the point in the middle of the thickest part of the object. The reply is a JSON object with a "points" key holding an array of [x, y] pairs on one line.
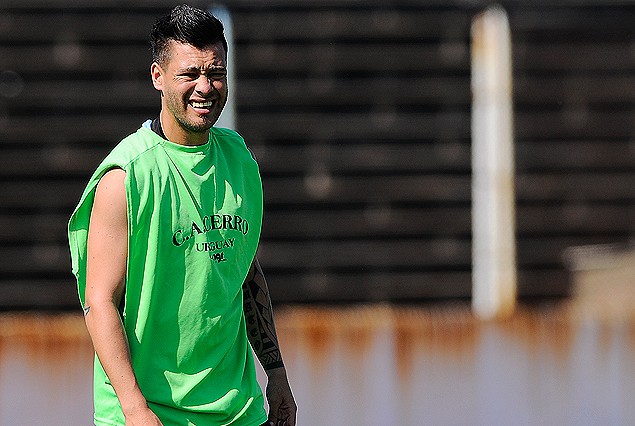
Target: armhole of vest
{"points": [[234, 133], [253, 155]]}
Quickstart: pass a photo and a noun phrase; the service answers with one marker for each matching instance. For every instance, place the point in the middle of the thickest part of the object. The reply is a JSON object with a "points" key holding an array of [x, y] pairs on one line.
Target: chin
{"points": [[198, 126]]}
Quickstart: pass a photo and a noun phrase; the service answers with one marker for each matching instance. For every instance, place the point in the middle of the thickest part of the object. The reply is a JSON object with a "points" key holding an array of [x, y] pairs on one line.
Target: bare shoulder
{"points": [[112, 182], [110, 195]]}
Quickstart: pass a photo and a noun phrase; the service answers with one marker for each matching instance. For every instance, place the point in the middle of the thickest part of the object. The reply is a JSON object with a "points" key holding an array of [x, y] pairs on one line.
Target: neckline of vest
{"points": [[187, 149]]}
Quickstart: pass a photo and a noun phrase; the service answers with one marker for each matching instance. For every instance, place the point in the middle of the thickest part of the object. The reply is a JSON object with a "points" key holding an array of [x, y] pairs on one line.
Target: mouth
{"points": [[202, 107]]}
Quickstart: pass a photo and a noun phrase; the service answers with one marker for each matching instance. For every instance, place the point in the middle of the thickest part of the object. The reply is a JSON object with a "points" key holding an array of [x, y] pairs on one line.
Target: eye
{"points": [[217, 75], [188, 75]]}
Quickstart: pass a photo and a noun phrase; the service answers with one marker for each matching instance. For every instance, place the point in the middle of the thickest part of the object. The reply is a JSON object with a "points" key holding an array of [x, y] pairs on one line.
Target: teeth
{"points": [[202, 104]]}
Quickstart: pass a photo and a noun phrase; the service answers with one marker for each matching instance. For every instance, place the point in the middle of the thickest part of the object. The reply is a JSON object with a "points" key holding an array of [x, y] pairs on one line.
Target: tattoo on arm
{"points": [[261, 330]]}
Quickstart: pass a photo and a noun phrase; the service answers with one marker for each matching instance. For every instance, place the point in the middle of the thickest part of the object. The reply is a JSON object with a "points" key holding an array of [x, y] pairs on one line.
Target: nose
{"points": [[203, 85]]}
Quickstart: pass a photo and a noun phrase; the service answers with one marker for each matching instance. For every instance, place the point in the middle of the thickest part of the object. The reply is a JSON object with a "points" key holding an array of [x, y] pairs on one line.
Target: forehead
{"points": [[183, 55]]}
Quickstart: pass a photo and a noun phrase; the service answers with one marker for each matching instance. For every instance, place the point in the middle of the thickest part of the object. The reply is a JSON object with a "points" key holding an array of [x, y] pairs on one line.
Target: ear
{"points": [[156, 72]]}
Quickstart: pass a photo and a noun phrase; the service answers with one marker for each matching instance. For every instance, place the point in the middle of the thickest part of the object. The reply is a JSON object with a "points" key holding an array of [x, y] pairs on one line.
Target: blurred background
{"points": [[359, 113]]}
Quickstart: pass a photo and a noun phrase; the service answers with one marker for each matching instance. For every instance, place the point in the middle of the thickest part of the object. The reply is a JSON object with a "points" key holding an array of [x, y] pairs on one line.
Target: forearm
{"points": [[262, 336], [111, 345], [261, 329]]}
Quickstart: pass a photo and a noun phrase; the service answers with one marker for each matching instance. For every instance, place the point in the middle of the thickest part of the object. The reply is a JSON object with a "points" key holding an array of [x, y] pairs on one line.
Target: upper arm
{"points": [[254, 269], [107, 241]]}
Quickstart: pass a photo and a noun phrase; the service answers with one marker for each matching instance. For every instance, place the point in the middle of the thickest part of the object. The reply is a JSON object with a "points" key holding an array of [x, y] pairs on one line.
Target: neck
{"points": [[177, 134]]}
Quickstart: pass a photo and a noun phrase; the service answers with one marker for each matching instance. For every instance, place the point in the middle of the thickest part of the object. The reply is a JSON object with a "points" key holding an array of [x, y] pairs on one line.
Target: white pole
{"points": [[227, 118], [493, 212]]}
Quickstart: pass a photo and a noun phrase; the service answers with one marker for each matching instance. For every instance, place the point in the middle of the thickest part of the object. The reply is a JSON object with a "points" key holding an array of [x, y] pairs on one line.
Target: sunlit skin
{"points": [[193, 86]]}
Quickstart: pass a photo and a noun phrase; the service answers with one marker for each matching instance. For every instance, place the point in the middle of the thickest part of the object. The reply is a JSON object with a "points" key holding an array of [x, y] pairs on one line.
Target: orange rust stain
{"points": [[39, 328], [554, 327], [542, 328], [321, 333], [310, 328], [49, 338], [446, 330], [331, 331], [450, 331], [360, 326]]}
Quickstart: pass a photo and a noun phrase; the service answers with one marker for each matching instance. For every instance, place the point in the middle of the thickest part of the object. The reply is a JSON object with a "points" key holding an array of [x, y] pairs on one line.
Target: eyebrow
{"points": [[212, 69]]}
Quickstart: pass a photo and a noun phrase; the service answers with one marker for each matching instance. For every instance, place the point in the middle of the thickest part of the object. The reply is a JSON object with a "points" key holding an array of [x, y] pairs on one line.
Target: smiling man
{"points": [[163, 245]]}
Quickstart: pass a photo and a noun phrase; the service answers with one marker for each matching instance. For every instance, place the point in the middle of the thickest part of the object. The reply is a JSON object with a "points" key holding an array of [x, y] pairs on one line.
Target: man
{"points": [[163, 246]]}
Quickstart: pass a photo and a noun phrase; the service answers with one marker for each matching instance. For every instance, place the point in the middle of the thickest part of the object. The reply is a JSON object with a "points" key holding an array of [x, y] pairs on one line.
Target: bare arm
{"points": [[262, 336], [105, 283]]}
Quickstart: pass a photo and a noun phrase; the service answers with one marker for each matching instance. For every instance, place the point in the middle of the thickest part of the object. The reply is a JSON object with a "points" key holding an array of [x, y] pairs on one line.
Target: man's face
{"points": [[194, 85]]}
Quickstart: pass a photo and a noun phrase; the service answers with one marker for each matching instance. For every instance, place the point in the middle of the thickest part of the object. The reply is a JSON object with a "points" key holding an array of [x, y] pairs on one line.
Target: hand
{"points": [[282, 408], [143, 417]]}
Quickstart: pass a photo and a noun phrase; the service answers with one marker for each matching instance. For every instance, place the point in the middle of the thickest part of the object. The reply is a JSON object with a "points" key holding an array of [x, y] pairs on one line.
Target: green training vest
{"points": [[194, 220]]}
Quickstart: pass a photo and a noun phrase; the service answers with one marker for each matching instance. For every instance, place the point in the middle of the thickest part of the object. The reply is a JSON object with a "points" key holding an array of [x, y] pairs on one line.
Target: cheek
{"points": [[220, 86], [179, 93], [175, 102]]}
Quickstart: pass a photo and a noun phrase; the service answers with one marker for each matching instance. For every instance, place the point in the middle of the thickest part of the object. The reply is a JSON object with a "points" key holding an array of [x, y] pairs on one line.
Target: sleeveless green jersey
{"points": [[194, 220]]}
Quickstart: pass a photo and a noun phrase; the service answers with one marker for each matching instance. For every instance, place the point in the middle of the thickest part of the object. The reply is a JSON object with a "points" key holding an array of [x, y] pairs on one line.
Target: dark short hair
{"points": [[185, 24]]}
